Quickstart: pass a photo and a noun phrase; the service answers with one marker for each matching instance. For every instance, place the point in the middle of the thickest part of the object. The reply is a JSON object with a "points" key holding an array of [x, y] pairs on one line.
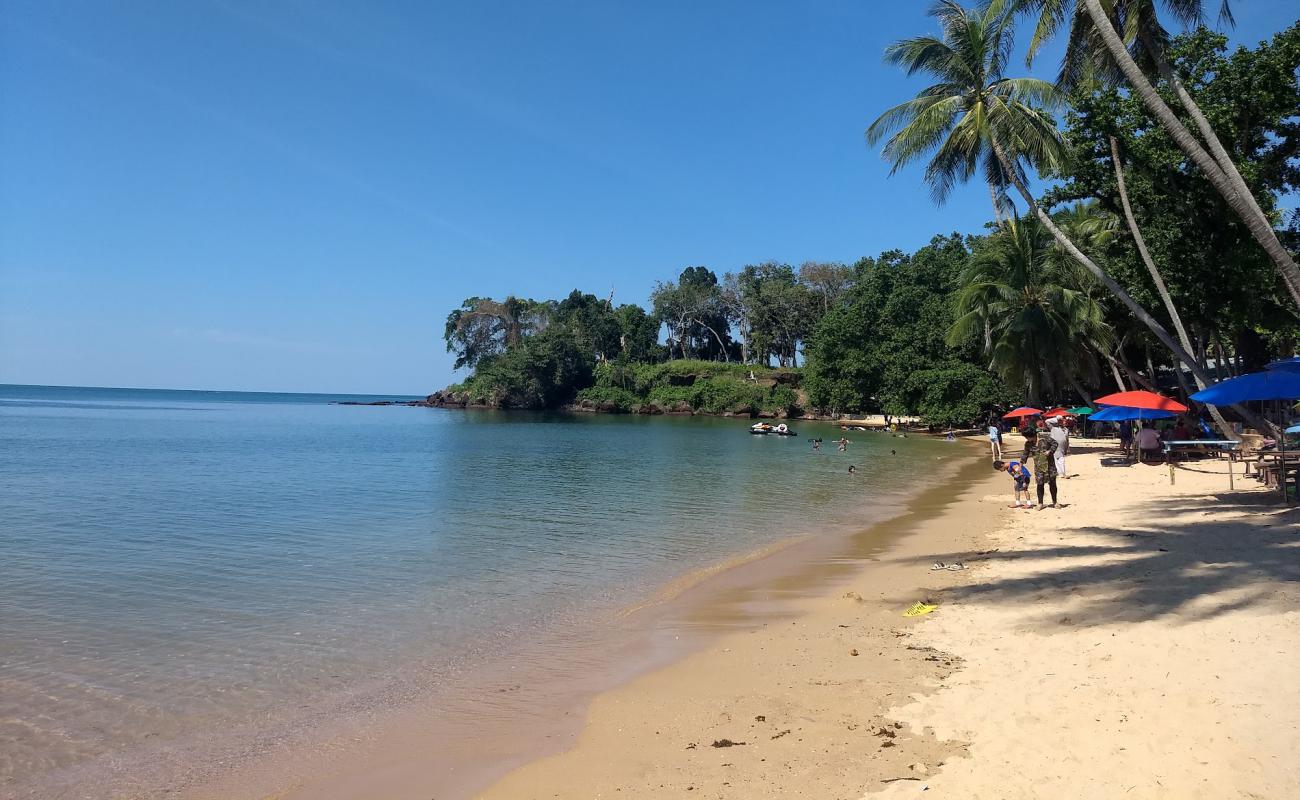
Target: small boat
{"points": [[763, 428]]}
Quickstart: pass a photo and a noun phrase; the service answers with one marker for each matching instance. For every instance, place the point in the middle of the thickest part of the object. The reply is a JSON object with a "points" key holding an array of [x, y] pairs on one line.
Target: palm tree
{"points": [[1038, 318], [1096, 48], [975, 114], [956, 117]]}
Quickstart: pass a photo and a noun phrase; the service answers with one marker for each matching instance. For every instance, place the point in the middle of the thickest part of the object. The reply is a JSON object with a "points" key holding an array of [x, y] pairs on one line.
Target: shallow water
{"points": [[183, 562]]}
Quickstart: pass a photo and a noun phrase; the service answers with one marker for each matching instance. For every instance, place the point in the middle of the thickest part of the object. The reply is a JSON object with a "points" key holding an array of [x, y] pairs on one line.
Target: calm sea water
{"points": [[175, 562]]}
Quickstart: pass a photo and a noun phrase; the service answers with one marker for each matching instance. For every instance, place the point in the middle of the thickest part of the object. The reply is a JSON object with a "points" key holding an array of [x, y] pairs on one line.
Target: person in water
{"points": [[817, 444], [853, 470], [844, 444]]}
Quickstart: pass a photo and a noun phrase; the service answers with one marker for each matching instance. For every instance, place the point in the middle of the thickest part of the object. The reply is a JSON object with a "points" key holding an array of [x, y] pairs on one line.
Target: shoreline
{"points": [[526, 716], [1075, 638], [776, 674]]}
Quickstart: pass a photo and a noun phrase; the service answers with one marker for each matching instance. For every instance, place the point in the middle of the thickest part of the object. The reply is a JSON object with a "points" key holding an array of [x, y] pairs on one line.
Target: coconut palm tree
{"points": [[955, 118], [976, 115], [1096, 48], [1039, 320]]}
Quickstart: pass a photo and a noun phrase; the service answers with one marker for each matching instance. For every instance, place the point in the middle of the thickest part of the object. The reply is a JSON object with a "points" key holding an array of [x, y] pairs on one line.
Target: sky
{"points": [[291, 195]]}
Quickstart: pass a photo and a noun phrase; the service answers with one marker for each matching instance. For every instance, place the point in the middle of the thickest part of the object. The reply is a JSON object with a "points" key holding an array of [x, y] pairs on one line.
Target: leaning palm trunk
{"points": [[997, 207], [1138, 311], [1069, 246], [1163, 291], [1203, 126], [1114, 371], [1083, 393], [1255, 222], [1135, 377]]}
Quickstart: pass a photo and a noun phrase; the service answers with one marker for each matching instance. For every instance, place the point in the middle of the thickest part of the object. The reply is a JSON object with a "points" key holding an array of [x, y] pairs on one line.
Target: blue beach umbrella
{"points": [[1124, 414], [1271, 384], [1287, 364]]}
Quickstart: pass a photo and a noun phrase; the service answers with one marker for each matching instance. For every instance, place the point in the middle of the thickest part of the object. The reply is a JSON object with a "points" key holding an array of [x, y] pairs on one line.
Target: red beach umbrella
{"points": [[1023, 411], [1057, 412], [1142, 399]]}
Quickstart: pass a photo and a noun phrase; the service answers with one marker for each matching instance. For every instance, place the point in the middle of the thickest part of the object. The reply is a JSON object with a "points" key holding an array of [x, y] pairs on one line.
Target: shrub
{"points": [[622, 399]]}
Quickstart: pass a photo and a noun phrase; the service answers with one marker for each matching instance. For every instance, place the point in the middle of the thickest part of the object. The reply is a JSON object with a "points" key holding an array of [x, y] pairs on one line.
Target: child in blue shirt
{"points": [[1020, 474]]}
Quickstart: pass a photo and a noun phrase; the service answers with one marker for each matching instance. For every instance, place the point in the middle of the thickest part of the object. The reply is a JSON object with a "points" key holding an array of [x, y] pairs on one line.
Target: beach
{"points": [[1138, 642]]}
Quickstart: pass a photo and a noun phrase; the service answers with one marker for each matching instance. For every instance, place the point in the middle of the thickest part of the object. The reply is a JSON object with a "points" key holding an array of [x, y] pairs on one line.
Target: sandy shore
{"points": [[1140, 642]]}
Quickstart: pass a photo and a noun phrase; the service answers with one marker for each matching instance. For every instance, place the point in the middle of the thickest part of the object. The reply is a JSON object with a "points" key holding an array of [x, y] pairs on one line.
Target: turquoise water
{"points": [[177, 562]]}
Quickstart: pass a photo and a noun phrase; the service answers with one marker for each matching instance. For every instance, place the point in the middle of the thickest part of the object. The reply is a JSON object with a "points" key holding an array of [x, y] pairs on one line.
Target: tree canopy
{"points": [[1076, 296]]}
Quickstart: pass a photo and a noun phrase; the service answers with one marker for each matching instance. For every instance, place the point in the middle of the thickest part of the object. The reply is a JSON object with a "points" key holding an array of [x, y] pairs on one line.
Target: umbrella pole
{"points": [[1281, 472]]}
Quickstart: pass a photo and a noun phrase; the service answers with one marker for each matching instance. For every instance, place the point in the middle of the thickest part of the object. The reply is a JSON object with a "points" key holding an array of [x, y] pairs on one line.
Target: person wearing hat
{"points": [[1061, 435]]}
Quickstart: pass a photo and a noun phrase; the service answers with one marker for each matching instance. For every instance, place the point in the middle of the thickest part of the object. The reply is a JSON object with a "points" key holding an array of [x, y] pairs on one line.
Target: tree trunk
{"points": [[1138, 311], [1246, 209], [1114, 369], [1217, 150], [1141, 244], [997, 207], [1082, 392], [725, 356], [1136, 377]]}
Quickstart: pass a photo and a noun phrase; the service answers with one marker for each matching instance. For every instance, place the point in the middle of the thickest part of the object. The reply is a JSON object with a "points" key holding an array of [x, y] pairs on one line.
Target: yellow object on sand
{"points": [[918, 609]]}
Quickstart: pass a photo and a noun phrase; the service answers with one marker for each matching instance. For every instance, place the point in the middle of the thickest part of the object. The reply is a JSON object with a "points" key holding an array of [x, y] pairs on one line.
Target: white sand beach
{"points": [[1139, 642]]}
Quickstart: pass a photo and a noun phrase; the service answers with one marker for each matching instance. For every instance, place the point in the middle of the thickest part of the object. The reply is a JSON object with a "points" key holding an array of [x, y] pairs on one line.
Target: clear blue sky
{"points": [[280, 195]]}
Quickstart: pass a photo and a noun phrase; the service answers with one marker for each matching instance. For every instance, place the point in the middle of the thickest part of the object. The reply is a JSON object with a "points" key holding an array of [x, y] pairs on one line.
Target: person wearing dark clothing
{"points": [[1041, 452]]}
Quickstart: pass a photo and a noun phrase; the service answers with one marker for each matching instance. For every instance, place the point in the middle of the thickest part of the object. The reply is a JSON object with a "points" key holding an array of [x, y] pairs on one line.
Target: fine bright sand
{"points": [[1141, 642]]}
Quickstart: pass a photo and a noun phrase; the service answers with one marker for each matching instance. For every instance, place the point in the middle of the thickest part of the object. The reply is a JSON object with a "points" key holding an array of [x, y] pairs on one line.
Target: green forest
{"points": [[1156, 255]]}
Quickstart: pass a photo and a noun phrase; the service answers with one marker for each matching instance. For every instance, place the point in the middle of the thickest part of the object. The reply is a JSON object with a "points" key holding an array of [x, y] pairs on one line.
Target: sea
{"points": [[175, 564]]}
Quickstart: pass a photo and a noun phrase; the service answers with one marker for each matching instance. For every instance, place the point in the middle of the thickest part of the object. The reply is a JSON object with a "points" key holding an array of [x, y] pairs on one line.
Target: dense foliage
{"points": [[1052, 307]]}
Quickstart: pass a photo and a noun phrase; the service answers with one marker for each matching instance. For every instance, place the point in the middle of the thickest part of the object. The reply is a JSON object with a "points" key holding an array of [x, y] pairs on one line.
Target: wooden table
{"points": [[1215, 446], [1286, 468]]}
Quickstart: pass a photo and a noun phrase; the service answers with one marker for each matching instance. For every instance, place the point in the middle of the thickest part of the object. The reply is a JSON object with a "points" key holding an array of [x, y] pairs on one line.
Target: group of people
{"points": [[1150, 441], [842, 443], [1045, 452]]}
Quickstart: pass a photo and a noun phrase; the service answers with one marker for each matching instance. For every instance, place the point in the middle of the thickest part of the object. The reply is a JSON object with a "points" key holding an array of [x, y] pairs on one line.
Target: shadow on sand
{"points": [[1199, 570]]}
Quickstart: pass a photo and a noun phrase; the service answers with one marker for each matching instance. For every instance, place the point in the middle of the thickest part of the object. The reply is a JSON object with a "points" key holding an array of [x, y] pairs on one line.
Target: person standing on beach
{"points": [[1061, 436], [1042, 449], [995, 439]]}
